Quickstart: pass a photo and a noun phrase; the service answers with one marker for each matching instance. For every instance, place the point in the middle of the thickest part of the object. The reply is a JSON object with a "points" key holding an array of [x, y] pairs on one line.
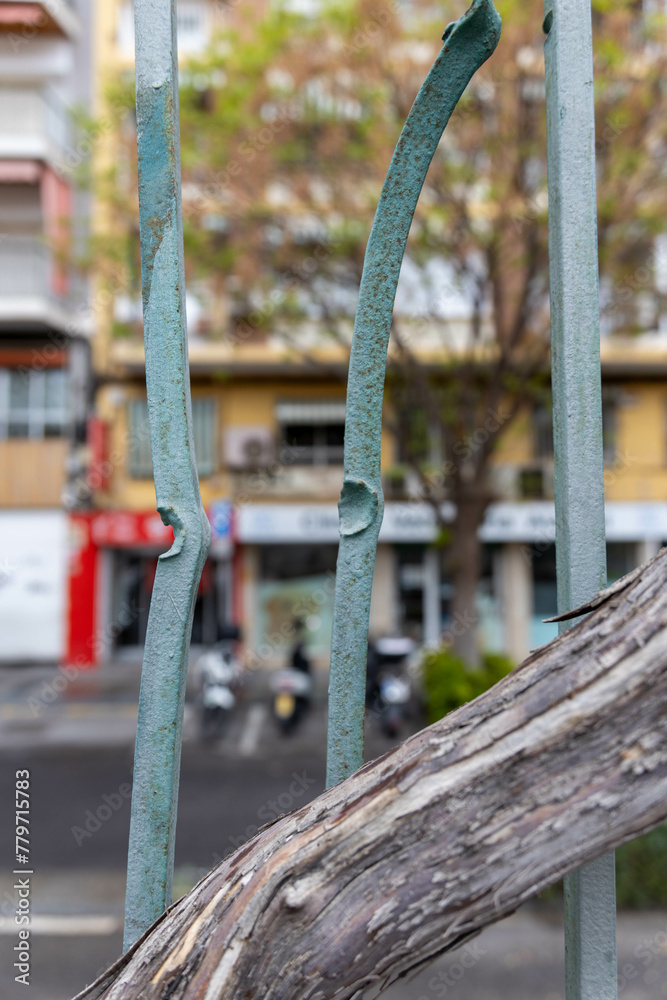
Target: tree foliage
{"points": [[288, 122]]}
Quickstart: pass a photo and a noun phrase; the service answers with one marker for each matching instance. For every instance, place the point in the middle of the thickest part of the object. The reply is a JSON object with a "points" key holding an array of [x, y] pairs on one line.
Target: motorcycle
{"points": [[292, 688], [388, 689], [220, 674]]}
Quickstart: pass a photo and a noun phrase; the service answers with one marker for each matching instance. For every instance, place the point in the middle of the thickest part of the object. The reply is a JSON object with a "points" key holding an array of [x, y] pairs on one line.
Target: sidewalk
{"points": [[62, 706], [53, 707], [50, 706], [77, 930]]}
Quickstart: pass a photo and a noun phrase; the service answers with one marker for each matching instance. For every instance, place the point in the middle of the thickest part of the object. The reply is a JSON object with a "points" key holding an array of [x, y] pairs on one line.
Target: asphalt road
{"points": [[80, 811], [79, 827]]}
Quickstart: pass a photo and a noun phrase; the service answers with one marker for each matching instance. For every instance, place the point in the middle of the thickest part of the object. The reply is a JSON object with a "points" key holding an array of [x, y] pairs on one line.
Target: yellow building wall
{"points": [[640, 469], [250, 403], [516, 444]]}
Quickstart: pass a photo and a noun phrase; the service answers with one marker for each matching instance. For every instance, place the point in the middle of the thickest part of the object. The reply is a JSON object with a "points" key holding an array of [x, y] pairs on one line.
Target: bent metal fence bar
{"points": [[158, 748], [590, 916]]}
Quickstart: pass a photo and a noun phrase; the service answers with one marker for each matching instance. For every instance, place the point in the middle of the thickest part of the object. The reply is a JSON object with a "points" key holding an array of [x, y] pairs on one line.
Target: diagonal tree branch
{"points": [[453, 830]]}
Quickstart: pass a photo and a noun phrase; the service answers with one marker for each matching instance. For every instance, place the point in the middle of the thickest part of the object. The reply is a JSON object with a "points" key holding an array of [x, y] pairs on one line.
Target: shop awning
{"points": [[320, 411]]}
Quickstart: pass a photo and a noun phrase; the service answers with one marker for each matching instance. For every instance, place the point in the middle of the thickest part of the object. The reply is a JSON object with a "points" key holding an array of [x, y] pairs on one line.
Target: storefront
{"points": [[287, 562], [112, 569], [272, 568]]}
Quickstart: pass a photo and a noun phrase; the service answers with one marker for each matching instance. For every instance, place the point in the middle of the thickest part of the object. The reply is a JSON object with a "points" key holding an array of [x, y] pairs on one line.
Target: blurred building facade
{"points": [[268, 436], [44, 323], [268, 427]]}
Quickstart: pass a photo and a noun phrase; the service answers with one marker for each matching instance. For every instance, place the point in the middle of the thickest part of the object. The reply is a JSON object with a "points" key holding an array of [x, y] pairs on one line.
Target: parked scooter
{"points": [[220, 675], [388, 688], [292, 690]]}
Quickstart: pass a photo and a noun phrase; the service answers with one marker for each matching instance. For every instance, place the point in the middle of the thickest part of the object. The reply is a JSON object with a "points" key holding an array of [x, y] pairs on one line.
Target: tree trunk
{"points": [[466, 568], [563, 760]]}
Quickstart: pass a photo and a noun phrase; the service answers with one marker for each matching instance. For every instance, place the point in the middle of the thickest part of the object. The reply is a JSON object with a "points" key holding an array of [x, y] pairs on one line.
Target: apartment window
{"points": [[191, 26], [33, 404], [203, 428], [315, 431]]}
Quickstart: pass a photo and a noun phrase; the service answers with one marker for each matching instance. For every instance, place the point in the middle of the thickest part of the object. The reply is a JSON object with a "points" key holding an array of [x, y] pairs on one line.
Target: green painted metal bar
{"points": [[468, 43], [158, 746], [590, 908]]}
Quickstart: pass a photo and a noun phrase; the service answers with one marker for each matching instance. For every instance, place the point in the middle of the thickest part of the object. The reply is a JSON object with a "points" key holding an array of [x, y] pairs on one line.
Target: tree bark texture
{"points": [[451, 831]]}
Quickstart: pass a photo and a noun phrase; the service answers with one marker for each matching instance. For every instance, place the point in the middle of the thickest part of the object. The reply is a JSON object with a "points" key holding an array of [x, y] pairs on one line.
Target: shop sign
{"points": [[259, 523], [411, 522], [220, 514], [532, 521], [535, 521], [121, 529], [630, 522]]}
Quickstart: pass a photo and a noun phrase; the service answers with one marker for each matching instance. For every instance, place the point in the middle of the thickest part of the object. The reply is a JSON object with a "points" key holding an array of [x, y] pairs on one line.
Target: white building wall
{"points": [[33, 585]]}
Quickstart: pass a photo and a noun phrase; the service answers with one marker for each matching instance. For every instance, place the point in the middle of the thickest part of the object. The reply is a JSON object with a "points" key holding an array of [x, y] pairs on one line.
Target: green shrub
{"points": [[641, 874], [449, 683]]}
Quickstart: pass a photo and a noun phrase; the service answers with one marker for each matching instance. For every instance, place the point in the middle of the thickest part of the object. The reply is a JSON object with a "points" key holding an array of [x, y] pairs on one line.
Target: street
{"points": [[80, 763]]}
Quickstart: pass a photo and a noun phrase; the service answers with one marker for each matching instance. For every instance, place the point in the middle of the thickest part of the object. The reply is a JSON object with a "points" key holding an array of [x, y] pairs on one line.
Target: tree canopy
{"points": [[288, 122]]}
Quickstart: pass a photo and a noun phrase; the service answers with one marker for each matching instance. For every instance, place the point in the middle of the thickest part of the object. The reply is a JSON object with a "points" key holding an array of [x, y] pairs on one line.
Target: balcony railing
{"points": [[34, 286], [27, 18], [34, 124], [26, 267]]}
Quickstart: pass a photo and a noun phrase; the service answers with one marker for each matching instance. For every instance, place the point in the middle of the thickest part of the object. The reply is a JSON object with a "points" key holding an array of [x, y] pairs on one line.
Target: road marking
{"points": [[252, 730], [79, 711], [58, 925], [89, 710]]}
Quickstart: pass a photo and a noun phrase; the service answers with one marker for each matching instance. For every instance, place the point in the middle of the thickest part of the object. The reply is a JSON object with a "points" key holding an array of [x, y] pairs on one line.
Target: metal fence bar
{"points": [[468, 43], [590, 911], [158, 746]]}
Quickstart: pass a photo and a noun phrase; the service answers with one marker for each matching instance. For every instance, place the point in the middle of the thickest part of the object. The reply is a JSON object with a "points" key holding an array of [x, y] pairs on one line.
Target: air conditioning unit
{"points": [[249, 447]]}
